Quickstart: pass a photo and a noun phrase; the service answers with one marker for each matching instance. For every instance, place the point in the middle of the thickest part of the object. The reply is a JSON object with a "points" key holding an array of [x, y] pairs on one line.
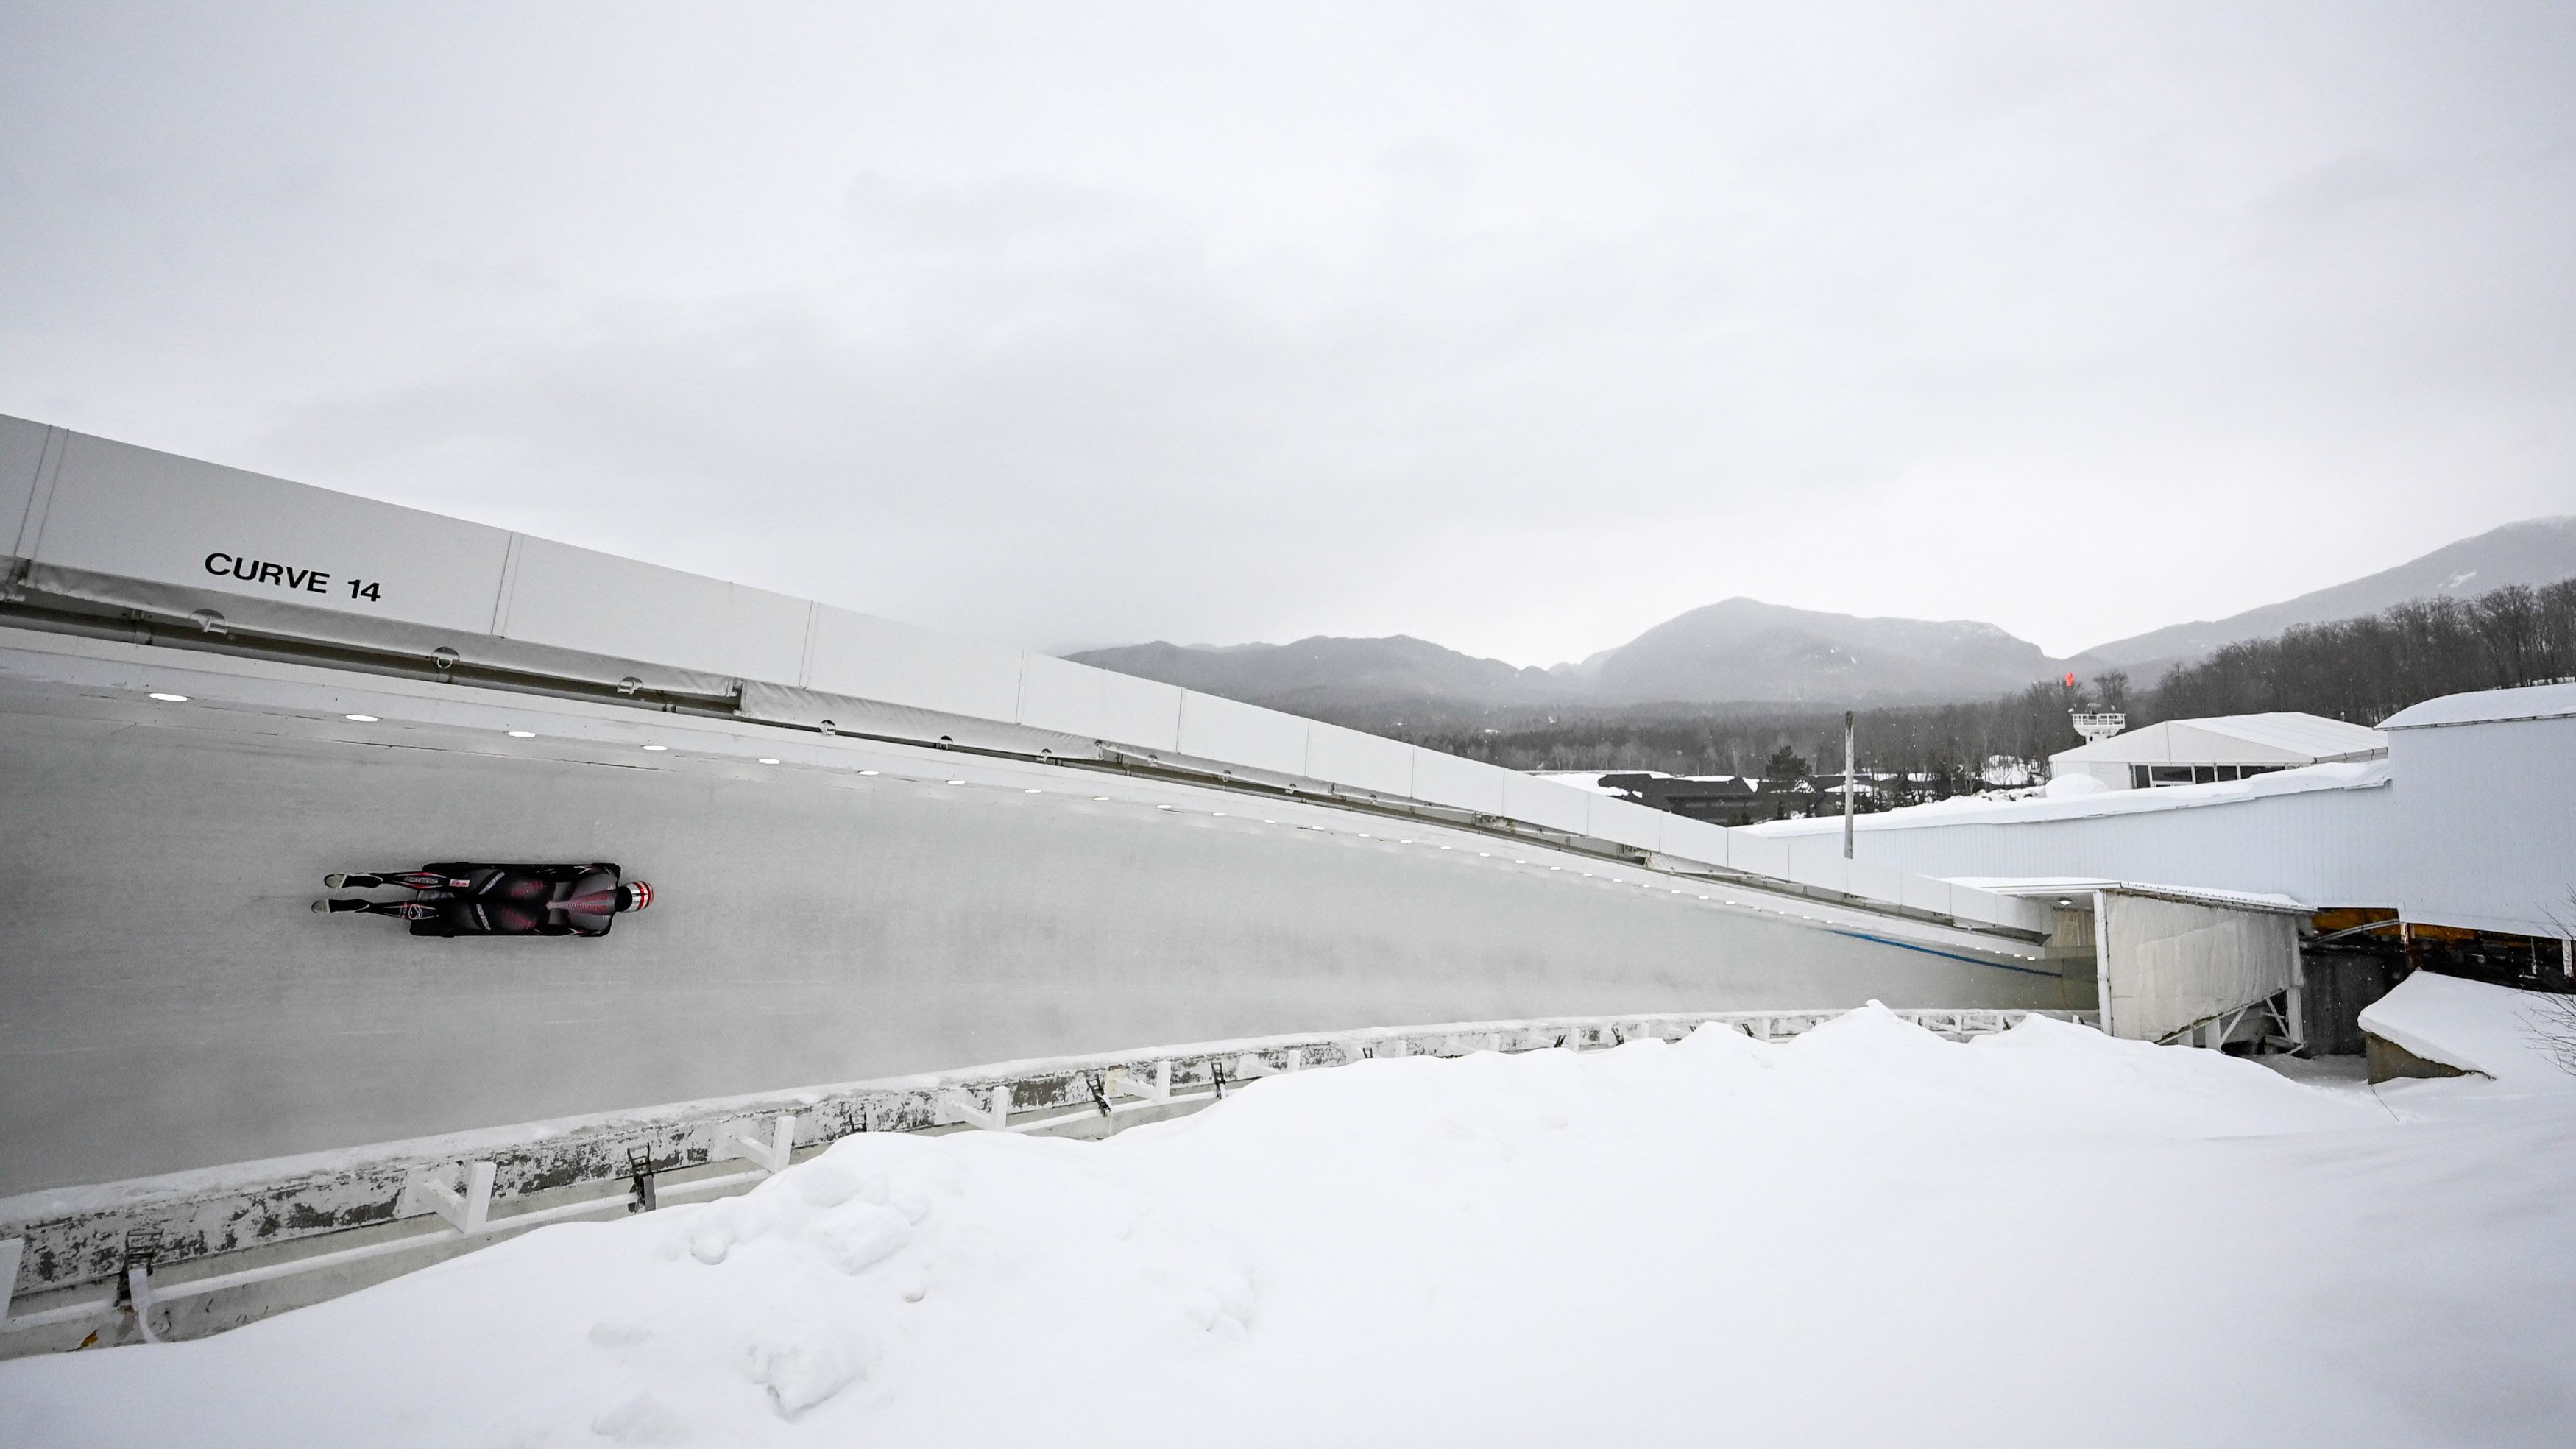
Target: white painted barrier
{"points": [[91, 521]]}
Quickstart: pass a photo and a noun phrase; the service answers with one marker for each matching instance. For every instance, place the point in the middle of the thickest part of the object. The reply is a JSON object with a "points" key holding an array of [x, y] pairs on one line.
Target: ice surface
{"points": [[1866, 1235]]}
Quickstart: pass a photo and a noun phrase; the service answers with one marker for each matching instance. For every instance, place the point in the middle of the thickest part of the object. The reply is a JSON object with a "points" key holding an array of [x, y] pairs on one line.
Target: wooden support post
{"points": [[2102, 961], [138, 1294], [1848, 767], [2298, 996], [734, 1140], [467, 1212], [1157, 1088], [955, 1104]]}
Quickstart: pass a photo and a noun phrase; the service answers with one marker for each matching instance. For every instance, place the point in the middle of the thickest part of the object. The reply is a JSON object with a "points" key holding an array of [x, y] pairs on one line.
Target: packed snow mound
{"points": [[2492, 1030], [1866, 1235], [2067, 787]]}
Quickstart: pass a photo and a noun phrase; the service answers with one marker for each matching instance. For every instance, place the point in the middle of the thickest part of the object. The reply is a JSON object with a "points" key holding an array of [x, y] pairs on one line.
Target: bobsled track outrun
{"points": [[900, 881]]}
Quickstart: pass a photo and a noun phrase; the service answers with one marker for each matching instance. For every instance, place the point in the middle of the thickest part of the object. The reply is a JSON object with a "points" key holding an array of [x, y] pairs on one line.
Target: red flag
{"points": [[2070, 681]]}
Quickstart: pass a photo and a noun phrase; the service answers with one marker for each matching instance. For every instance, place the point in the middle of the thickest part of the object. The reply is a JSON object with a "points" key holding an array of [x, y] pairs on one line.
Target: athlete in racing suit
{"points": [[460, 898]]}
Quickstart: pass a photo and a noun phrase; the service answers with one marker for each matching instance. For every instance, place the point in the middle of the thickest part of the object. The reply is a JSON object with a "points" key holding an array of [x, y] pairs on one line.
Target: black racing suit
{"points": [[461, 898]]}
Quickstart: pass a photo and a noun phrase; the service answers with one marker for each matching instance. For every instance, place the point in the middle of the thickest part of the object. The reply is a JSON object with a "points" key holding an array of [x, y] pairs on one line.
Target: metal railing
{"points": [[198, 1252]]}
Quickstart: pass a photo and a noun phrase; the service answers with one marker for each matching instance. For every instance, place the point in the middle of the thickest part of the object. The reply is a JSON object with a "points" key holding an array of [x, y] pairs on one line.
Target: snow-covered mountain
{"points": [[2535, 551], [1742, 651], [1746, 652]]}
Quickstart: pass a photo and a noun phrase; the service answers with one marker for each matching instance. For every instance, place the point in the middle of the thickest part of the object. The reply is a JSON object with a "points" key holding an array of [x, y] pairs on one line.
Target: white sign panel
{"points": [[137, 514]]}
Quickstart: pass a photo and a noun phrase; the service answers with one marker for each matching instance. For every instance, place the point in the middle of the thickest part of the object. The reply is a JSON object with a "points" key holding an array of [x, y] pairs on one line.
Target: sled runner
{"points": [[462, 898]]}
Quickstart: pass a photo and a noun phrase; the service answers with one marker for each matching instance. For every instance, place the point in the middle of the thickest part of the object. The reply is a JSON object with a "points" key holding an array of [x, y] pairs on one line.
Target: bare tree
{"points": [[2557, 1024]]}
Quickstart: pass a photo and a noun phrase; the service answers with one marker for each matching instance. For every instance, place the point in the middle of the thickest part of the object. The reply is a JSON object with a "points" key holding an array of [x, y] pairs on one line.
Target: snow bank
{"points": [[2493, 1030], [1865, 1235]]}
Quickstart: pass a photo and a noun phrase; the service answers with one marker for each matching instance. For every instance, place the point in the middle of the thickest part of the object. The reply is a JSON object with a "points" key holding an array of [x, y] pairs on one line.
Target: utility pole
{"points": [[1847, 784]]}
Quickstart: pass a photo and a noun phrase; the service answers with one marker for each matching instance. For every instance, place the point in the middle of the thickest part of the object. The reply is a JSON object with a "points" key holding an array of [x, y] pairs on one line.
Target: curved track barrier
{"points": [[195, 1253], [828, 909]]}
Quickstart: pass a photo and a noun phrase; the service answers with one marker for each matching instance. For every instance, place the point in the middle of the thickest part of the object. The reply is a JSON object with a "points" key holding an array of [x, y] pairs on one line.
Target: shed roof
{"points": [[2487, 706], [2285, 737]]}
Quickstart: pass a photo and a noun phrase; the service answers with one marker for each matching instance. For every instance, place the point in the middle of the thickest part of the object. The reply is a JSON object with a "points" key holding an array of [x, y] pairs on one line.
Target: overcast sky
{"points": [[1519, 328]]}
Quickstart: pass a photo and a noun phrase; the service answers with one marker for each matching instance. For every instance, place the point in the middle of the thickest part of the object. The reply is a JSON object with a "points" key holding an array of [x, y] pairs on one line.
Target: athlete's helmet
{"points": [[635, 895]]}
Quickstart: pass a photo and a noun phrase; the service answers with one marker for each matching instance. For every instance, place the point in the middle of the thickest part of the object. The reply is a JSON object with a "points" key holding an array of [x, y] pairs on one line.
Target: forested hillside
{"points": [[2362, 670]]}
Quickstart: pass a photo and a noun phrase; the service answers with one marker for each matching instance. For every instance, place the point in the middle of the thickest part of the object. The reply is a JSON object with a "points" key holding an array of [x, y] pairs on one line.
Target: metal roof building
{"points": [[2220, 748]]}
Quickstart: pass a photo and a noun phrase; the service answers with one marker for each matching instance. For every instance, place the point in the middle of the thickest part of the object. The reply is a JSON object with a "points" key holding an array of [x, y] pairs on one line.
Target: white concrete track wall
{"points": [[102, 523], [170, 1001]]}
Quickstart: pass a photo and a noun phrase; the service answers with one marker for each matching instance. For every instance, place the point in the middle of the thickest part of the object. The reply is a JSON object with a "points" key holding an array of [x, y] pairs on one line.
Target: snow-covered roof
{"points": [[1970, 809], [2495, 1031], [2279, 738], [2062, 887], [2487, 706], [1589, 780]]}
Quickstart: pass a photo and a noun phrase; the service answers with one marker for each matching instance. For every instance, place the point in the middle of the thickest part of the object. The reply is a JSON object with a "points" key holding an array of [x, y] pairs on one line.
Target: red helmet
{"points": [[635, 895]]}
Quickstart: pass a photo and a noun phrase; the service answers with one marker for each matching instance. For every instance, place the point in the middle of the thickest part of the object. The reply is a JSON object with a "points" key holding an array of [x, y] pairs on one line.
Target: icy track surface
{"points": [[1865, 1236]]}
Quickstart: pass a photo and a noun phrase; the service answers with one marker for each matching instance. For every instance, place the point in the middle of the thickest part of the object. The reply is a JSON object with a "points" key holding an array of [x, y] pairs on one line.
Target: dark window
{"points": [[2138, 777], [2168, 774]]}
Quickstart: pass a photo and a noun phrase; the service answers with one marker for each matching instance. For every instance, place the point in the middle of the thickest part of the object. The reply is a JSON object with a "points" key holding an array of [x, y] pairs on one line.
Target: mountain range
{"points": [[1746, 653], [2535, 551]]}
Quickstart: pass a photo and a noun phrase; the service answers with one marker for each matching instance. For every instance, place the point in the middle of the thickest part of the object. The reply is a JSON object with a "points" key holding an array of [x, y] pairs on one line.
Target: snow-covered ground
{"points": [[1864, 1236]]}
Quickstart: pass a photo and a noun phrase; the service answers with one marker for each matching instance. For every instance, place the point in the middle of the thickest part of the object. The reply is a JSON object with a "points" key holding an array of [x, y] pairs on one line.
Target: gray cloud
{"points": [[1516, 328]]}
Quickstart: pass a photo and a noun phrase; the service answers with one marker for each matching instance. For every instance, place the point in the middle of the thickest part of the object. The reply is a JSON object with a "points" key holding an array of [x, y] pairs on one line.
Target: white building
{"points": [[2464, 818], [2227, 747], [2486, 810]]}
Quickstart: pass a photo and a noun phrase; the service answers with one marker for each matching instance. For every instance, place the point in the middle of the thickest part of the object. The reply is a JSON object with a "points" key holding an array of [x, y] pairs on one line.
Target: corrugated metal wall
{"points": [[2487, 819]]}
